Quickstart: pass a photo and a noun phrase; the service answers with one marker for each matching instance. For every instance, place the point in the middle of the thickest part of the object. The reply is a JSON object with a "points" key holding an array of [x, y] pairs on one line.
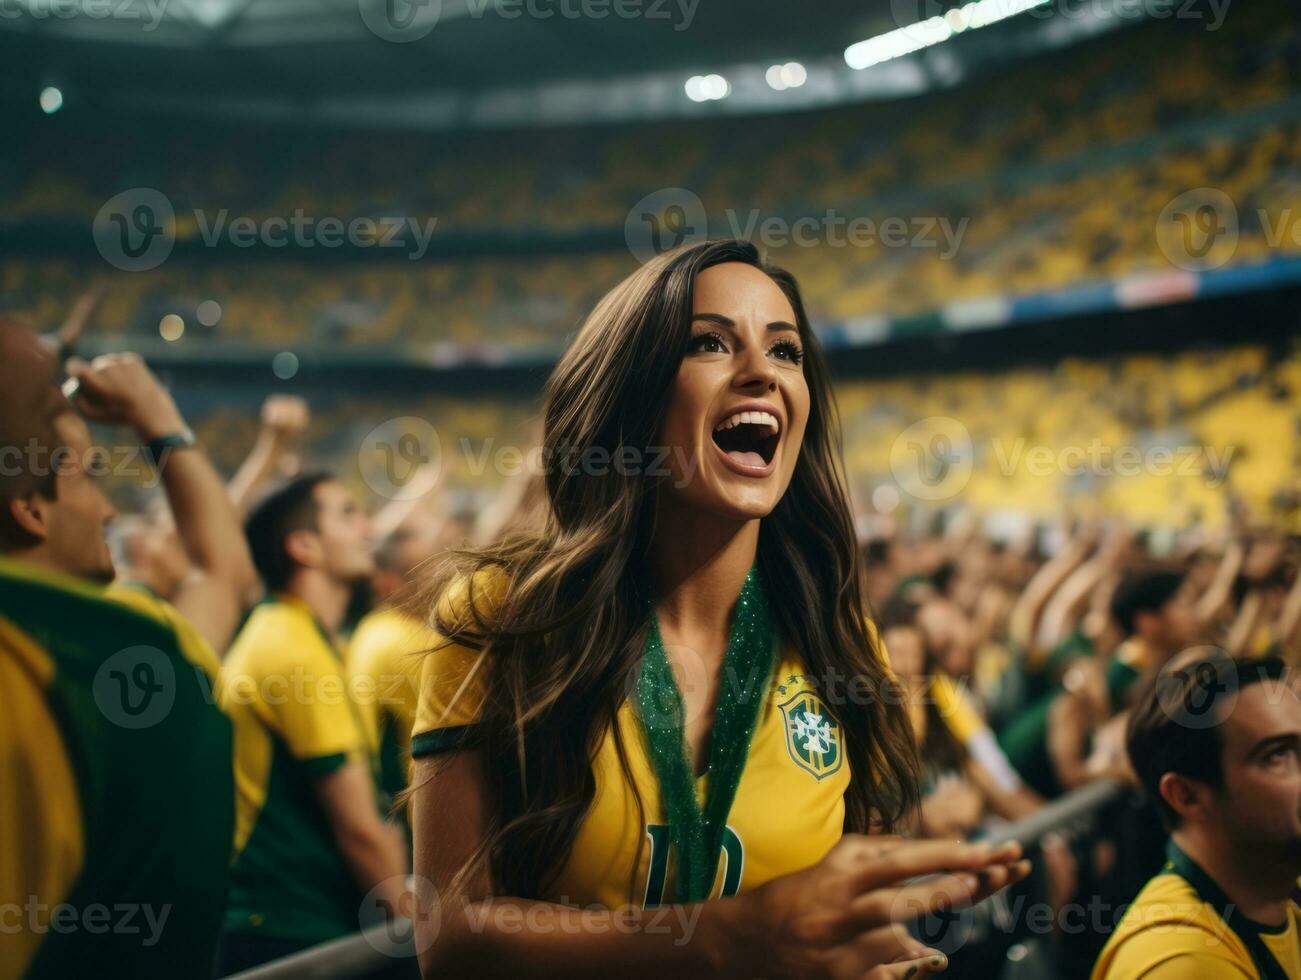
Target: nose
{"points": [[755, 370]]}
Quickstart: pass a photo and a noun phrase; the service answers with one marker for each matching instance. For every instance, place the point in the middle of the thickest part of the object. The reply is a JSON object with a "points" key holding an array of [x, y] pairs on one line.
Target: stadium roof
{"points": [[439, 63]]}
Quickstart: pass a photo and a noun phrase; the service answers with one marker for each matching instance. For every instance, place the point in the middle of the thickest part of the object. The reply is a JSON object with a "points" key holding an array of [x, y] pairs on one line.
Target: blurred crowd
{"points": [[1022, 643], [1158, 438], [1051, 175]]}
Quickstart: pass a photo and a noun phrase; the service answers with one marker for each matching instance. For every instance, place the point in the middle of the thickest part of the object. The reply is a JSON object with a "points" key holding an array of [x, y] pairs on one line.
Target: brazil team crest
{"points": [[812, 735]]}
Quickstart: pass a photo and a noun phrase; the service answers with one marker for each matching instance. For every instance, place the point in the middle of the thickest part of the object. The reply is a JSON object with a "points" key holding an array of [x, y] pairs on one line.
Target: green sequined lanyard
{"points": [[696, 834]]}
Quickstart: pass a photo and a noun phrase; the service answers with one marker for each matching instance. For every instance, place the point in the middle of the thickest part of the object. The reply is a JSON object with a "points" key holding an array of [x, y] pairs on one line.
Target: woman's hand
{"points": [[844, 917]]}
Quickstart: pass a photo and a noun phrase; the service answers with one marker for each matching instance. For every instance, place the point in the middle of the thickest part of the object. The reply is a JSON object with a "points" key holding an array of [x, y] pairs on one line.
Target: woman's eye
{"points": [[710, 343], [789, 350]]}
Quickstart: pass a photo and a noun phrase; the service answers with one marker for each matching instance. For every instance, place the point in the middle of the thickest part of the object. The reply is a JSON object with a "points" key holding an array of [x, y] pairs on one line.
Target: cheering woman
{"points": [[660, 728]]}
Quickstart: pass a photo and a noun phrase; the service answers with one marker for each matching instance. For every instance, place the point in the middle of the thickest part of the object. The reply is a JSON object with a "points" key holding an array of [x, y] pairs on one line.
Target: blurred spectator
{"points": [[311, 841], [107, 726]]}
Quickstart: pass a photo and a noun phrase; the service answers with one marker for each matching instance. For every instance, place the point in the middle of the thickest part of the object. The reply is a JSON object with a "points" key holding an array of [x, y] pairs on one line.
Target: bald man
{"points": [[116, 787]]}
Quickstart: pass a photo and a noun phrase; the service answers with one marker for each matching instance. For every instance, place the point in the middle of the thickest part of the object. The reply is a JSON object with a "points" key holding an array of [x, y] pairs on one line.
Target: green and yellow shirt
{"points": [[384, 657], [1130, 663], [788, 813], [117, 803], [285, 679], [1173, 931]]}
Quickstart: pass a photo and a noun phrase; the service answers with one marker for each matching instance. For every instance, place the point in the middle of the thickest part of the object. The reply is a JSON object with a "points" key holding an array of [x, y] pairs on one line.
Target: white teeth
{"points": [[749, 418]]}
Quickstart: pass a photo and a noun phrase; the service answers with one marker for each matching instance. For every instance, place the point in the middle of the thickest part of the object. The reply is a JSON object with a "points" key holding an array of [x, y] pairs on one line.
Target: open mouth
{"points": [[749, 438]]}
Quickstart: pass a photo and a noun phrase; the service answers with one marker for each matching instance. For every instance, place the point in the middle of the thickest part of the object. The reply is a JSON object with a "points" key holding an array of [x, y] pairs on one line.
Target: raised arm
{"points": [[63, 340], [284, 420], [1289, 621], [1220, 590], [1023, 624], [119, 388]]}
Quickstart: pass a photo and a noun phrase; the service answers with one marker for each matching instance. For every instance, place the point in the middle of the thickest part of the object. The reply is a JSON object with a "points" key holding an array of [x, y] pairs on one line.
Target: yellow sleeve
{"points": [[317, 720], [188, 639], [961, 719], [453, 677], [42, 845], [1169, 952], [384, 661], [1189, 967], [297, 687], [966, 725]]}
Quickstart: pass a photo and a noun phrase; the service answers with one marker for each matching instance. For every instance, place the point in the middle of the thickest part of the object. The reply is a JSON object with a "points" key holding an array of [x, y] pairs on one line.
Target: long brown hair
{"points": [[562, 646]]}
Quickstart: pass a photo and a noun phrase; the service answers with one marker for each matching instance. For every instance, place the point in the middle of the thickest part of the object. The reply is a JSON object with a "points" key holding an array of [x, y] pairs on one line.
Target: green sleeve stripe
{"points": [[323, 765], [441, 740]]}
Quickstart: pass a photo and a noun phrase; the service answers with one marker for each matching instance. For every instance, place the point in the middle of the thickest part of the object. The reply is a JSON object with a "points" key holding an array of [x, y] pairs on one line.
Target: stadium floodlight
{"points": [[790, 75], [707, 88], [934, 30], [51, 100], [794, 74], [171, 327]]}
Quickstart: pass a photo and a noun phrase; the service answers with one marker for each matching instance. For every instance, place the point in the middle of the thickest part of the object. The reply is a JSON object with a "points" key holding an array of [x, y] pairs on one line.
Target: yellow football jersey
{"points": [[1170, 932], [384, 657], [286, 684], [788, 813]]}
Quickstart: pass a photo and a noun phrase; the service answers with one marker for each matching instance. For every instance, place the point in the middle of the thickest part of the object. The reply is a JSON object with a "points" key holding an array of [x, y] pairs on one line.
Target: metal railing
{"points": [[352, 956], [1062, 812]]}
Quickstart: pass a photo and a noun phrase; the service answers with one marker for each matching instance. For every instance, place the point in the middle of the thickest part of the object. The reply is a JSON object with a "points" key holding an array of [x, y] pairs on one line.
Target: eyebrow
{"points": [[1265, 745], [724, 321]]}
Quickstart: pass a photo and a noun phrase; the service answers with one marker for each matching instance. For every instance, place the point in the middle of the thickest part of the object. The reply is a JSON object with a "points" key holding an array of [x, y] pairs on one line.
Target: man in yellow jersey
{"points": [[314, 852], [116, 787], [384, 653], [1216, 744]]}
